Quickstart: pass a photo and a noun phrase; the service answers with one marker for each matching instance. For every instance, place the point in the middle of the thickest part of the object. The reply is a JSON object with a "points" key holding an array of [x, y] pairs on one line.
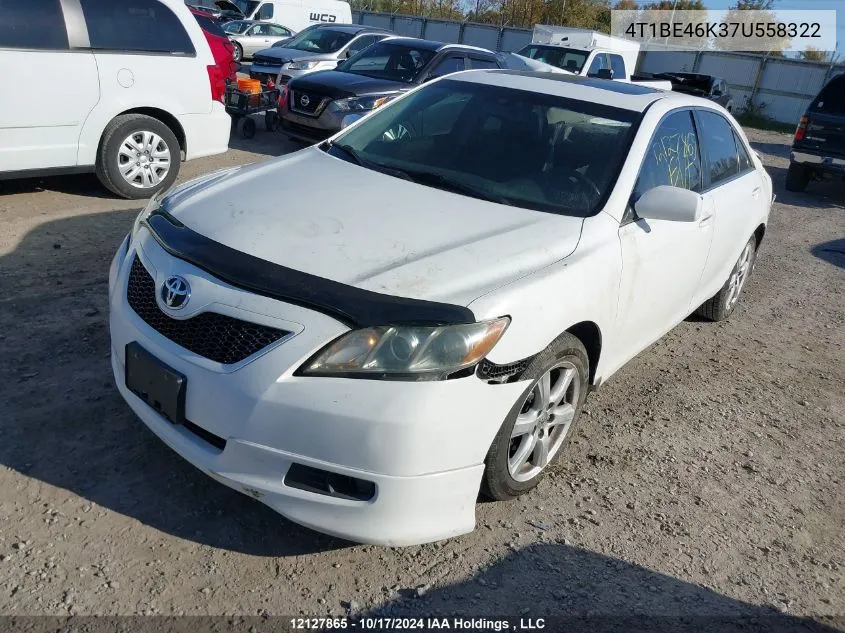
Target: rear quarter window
{"points": [[832, 97], [143, 26], [32, 24]]}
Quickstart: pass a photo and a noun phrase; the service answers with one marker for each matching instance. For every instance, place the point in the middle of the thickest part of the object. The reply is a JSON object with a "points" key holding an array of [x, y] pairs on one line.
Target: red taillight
{"points": [[801, 132], [217, 82]]}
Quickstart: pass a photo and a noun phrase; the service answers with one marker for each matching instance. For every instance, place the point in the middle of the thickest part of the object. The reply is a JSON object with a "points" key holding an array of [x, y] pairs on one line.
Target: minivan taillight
{"points": [[217, 82], [801, 132]]}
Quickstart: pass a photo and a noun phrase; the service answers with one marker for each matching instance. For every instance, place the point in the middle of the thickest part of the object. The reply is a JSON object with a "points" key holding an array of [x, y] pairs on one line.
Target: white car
{"points": [[250, 37], [123, 89], [423, 315]]}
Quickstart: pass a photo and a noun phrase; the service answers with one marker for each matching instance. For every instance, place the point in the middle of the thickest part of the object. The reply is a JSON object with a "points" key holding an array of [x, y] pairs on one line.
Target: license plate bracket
{"points": [[160, 386]]}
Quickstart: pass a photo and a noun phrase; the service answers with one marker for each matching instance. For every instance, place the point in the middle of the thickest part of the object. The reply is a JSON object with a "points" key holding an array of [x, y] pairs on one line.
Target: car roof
{"points": [[353, 28], [434, 45], [618, 94]]}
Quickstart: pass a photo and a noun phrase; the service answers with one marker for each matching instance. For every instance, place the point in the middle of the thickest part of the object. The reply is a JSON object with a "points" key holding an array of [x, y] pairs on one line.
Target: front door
{"points": [[662, 260]]}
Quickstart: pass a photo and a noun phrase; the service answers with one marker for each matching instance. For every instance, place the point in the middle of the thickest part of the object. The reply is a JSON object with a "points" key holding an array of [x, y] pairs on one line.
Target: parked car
{"points": [[818, 150], [319, 48], [368, 356], [707, 86], [143, 90], [319, 104], [221, 47], [255, 36]]}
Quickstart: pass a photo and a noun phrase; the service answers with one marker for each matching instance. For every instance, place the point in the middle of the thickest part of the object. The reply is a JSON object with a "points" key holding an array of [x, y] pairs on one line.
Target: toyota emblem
{"points": [[304, 101], [175, 292]]}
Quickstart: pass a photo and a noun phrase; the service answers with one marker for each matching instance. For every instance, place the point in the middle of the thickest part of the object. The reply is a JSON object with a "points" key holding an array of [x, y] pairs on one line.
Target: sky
{"points": [[837, 5]]}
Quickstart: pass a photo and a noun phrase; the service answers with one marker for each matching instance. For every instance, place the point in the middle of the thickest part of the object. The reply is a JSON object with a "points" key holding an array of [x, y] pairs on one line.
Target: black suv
{"points": [[818, 150], [316, 105]]}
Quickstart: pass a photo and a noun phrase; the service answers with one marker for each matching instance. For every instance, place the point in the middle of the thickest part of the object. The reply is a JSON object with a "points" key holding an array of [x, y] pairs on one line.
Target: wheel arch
{"points": [[589, 333], [161, 115], [759, 233]]}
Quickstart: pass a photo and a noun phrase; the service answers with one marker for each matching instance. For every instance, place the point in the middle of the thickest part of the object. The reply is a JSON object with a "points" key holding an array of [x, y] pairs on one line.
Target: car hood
{"points": [[284, 55], [315, 213], [338, 84]]}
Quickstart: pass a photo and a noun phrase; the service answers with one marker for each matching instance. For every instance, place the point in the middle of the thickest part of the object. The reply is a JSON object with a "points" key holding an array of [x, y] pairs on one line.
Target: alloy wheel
{"points": [[739, 275], [544, 421]]}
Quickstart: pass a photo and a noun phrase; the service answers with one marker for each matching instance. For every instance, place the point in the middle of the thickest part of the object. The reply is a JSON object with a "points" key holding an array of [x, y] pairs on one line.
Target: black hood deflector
{"points": [[353, 306]]}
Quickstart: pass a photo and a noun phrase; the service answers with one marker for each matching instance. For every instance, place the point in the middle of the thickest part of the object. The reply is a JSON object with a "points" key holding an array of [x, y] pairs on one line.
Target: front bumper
{"points": [[421, 443], [312, 129], [820, 162]]}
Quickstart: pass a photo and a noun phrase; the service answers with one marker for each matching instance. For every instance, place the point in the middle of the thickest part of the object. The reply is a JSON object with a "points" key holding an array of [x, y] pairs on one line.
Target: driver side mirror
{"points": [[605, 73], [669, 203]]}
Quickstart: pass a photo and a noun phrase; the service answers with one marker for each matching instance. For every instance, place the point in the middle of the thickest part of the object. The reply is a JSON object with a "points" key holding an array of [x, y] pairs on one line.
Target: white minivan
{"points": [[294, 14], [125, 89]]}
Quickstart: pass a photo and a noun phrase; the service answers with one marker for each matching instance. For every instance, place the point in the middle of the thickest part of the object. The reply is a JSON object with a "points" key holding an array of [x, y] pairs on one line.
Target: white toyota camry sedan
{"points": [[417, 320]]}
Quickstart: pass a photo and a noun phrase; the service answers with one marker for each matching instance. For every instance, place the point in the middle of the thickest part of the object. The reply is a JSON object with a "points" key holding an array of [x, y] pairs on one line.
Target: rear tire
{"points": [[797, 178], [567, 366], [238, 53], [720, 307], [114, 166]]}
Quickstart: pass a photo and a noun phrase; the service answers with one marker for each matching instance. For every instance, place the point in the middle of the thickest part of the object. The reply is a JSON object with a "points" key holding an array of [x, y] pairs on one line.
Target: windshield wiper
{"points": [[369, 164], [440, 181]]}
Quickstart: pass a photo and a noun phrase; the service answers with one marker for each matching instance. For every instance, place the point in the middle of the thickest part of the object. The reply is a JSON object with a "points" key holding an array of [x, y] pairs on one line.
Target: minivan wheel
{"points": [[797, 178], [720, 307], [138, 156], [540, 423]]}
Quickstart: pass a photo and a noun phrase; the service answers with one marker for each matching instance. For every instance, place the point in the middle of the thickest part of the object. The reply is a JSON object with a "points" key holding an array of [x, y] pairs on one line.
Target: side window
{"points": [[37, 24], [673, 158], [278, 31], [265, 12], [135, 25], [745, 163], [451, 64], [359, 44], [617, 65], [719, 147], [477, 62], [599, 62]]}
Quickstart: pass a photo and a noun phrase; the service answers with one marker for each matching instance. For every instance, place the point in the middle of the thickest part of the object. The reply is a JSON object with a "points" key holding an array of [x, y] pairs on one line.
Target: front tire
{"points": [[238, 53], [797, 178], [138, 156], [719, 307], [540, 424]]}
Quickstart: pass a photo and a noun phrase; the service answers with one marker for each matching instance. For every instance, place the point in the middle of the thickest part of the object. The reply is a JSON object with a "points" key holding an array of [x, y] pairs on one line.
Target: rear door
{"points": [[50, 85], [733, 190], [826, 128], [446, 65]]}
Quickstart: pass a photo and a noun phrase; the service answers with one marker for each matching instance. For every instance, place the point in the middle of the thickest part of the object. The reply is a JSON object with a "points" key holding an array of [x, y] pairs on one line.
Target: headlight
{"points": [[361, 104], [302, 65], [407, 352]]}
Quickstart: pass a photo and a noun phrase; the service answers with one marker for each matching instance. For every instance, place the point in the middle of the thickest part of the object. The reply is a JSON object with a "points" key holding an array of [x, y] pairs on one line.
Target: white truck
{"points": [[588, 54]]}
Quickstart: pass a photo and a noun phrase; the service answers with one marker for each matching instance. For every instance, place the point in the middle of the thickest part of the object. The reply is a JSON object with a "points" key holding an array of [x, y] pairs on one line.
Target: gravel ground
{"points": [[705, 478]]}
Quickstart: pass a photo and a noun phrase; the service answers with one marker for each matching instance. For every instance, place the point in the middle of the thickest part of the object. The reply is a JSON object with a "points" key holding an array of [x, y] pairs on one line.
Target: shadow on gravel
{"points": [[64, 424], [772, 149], [832, 252], [576, 590], [274, 143], [73, 184]]}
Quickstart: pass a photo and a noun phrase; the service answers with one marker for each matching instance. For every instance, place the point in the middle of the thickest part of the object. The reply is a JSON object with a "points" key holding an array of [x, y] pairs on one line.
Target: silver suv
{"points": [[320, 47]]}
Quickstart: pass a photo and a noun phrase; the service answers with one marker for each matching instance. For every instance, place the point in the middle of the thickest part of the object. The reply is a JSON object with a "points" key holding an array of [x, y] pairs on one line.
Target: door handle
{"points": [[755, 193], [705, 219]]}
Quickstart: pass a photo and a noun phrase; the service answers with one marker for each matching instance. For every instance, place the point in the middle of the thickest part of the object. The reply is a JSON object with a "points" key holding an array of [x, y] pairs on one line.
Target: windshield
{"points": [[319, 41], [395, 62], [244, 6], [236, 27], [570, 59], [515, 147]]}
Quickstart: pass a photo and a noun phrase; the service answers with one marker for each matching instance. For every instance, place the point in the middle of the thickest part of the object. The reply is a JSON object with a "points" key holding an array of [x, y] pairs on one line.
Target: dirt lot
{"points": [[706, 477]]}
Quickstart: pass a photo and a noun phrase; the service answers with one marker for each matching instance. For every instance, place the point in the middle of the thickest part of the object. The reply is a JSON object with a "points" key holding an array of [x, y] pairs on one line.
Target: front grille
{"points": [[306, 102], [258, 60], [214, 336], [305, 131]]}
